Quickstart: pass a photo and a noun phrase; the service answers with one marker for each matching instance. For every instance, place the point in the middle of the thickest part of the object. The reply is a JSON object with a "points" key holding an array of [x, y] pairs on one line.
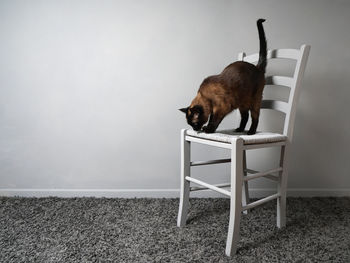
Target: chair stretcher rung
{"points": [[210, 162], [209, 186], [193, 189], [261, 174], [260, 202], [268, 176]]}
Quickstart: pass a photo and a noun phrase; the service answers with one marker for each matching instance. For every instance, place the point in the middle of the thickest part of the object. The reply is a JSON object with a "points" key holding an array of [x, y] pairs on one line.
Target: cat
{"points": [[240, 85]]}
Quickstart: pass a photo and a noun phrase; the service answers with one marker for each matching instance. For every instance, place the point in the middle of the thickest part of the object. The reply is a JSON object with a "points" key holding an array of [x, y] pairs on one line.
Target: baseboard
{"points": [[163, 193]]}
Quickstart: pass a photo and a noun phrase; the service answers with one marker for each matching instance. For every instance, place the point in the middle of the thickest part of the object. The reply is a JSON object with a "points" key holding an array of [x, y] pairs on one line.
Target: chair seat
{"points": [[226, 136]]}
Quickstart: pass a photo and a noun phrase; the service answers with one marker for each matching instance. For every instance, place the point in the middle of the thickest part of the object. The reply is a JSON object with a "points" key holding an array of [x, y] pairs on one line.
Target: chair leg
{"points": [[282, 188], [245, 192], [185, 185], [236, 196]]}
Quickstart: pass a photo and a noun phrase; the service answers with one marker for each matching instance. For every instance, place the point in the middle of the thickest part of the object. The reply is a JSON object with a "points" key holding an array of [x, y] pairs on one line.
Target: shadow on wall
{"points": [[321, 131]]}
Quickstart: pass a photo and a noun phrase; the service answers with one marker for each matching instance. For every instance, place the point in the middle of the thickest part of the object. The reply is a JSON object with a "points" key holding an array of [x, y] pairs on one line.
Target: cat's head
{"points": [[195, 116]]}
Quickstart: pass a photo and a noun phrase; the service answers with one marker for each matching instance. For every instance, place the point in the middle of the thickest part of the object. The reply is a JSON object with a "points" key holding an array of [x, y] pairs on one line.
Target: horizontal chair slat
{"points": [[209, 186], [198, 163], [260, 201], [275, 53], [275, 105], [280, 81]]}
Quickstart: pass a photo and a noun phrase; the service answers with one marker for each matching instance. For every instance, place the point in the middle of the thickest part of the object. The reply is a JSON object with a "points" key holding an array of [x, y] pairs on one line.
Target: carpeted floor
{"points": [[144, 230]]}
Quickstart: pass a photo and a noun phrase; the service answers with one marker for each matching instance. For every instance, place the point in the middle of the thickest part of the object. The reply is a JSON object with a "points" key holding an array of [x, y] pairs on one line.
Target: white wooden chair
{"points": [[239, 144]]}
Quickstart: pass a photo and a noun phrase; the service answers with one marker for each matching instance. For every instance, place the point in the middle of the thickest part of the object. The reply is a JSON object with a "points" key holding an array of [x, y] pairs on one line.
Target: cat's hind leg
{"points": [[244, 120], [254, 113]]}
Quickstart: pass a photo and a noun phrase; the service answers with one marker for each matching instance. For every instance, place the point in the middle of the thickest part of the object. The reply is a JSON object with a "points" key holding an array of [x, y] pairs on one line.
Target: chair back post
{"points": [[295, 91], [288, 108]]}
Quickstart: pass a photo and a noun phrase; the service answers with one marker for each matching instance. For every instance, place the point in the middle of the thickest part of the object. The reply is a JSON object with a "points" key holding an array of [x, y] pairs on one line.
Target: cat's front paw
{"points": [[208, 129]]}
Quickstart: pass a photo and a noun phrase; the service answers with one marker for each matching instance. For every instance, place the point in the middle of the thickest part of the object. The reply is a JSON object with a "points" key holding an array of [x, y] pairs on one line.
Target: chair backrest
{"points": [[294, 83]]}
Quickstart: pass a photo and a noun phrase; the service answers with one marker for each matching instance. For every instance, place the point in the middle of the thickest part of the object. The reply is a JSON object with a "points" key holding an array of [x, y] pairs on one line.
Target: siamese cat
{"points": [[239, 86]]}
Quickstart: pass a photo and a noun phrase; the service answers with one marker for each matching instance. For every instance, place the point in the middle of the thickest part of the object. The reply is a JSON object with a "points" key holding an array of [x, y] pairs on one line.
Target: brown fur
{"points": [[239, 86]]}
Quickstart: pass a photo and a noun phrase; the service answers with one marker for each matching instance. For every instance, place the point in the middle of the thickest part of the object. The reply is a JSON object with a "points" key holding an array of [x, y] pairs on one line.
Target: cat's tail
{"points": [[263, 50]]}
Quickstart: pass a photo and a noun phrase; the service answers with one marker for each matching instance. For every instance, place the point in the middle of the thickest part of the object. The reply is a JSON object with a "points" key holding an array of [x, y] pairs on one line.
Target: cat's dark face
{"points": [[195, 116]]}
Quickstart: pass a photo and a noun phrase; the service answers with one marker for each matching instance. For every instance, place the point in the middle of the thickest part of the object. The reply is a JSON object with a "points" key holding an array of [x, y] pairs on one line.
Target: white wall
{"points": [[89, 91]]}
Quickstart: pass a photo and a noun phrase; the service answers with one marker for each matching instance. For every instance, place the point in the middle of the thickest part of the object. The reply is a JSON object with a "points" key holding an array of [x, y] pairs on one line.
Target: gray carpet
{"points": [[144, 230]]}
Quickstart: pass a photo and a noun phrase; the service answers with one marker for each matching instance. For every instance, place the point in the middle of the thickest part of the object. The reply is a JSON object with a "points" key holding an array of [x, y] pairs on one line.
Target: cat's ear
{"points": [[184, 110]]}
